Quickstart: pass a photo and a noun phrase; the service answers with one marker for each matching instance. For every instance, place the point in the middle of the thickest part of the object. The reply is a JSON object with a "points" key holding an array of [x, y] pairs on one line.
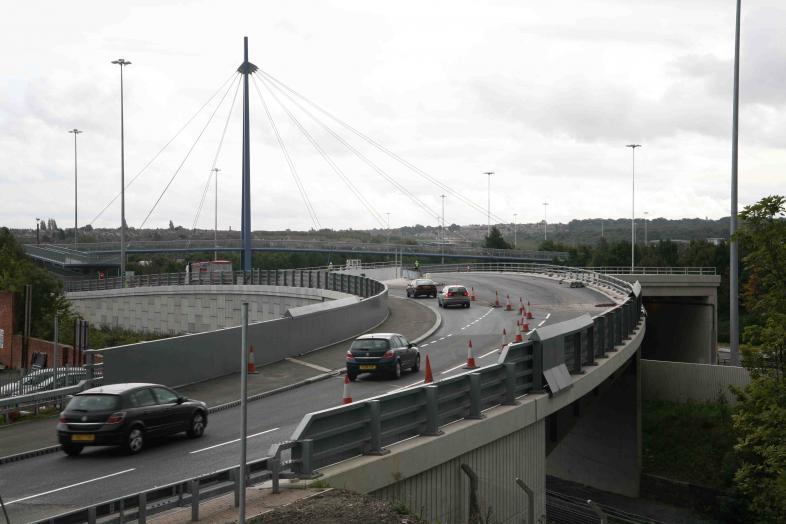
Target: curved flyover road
{"points": [[51, 484]]}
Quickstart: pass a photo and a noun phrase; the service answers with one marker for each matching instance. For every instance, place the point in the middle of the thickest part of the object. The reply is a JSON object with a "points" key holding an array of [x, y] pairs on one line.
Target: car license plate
{"points": [[82, 438], [367, 367]]}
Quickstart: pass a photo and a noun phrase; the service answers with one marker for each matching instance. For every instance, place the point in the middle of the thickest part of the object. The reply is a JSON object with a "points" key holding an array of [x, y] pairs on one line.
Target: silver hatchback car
{"points": [[453, 295]]}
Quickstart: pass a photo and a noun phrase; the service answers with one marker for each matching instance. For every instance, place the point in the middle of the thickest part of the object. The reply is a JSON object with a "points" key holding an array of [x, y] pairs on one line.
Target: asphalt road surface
{"points": [[51, 484]]}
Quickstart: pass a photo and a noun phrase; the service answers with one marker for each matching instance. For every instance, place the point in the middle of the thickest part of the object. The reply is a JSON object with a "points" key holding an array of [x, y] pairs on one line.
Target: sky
{"points": [[544, 94]]}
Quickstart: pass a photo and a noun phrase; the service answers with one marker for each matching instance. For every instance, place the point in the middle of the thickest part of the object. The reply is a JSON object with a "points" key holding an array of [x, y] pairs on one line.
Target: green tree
{"points": [[494, 240], [18, 269], [760, 415]]}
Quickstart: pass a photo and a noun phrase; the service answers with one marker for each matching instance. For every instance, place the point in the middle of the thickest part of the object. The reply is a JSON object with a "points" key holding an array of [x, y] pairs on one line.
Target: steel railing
{"points": [[653, 270], [307, 278]]}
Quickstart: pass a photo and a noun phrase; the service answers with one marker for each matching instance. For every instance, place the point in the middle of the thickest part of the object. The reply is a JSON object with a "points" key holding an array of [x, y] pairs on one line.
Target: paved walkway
{"points": [[407, 317]]}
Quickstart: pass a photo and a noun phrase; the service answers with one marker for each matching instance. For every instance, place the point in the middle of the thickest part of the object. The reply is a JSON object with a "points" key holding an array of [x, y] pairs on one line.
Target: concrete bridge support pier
{"points": [[596, 441]]}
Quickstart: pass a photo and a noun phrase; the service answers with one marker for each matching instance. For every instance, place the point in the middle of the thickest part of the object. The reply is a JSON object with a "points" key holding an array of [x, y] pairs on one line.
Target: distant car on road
{"points": [[44, 379], [576, 283], [127, 415], [382, 353], [453, 295], [420, 287]]}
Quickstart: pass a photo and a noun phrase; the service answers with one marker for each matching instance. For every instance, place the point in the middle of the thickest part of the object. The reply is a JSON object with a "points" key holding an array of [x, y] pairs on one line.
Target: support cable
{"points": [[374, 213], [406, 192], [190, 150], [165, 146], [301, 188], [215, 159], [382, 148]]}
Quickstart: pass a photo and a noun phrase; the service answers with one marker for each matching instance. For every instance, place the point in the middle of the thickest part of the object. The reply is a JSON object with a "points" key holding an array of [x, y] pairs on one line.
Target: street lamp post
{"points": [[633, 207], [37, 229], [515, 243], [122, 63], [488, 202], [545, 221], [734, 284], [215, 217], [442, 242], [75, 131], [388, 231]]}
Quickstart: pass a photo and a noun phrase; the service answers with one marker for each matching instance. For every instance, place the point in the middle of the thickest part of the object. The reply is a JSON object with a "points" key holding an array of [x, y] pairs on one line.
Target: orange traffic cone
{"points": [[519, 338], [508, 307], [429, 378], [346, 399], [472, 294], [529, 314], [470, 359], [252, 366], [504, 337], [496, 300], [522, 323], [525, 327]]}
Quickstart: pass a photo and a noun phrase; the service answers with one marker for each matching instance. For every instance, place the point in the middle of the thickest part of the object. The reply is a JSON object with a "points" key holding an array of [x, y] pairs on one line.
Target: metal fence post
{"points": [[275, 469], [375, 427], [141, 505], [530, 500], [537, 366], [510, 384], [194, 489], [432, 411], [91, 515], [474, 396], [306, 457]]}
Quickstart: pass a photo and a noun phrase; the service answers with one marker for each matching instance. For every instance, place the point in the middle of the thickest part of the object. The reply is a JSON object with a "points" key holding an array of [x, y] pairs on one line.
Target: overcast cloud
{"points": [[544, 94]]}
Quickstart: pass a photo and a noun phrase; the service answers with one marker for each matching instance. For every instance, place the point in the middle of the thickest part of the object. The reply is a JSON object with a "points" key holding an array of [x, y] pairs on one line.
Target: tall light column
{"points": [[633, 208], [215, 217], [515, 243], [488, 203], [388, 231], [442, 243], [75, 131], [122, 63], [734, 284], [645, 227], [545, 221]]}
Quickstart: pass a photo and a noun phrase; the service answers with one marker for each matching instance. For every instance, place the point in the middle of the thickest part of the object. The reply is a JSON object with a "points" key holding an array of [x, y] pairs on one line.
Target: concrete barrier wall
{"points": [[191, 309], [187, 359], [681, 381], [441, 494]]}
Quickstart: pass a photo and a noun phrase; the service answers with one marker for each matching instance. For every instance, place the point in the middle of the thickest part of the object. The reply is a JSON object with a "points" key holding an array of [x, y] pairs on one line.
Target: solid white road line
{"points": [[548, 315], [489, 353], [541, 323], [69, 486], [232, 441], [453, 368], [308, 364]]}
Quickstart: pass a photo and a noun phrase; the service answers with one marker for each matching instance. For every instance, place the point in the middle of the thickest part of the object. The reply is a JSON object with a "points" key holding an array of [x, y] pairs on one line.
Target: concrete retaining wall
{"points": [[681, 381], [187, 359], [191, 309]]}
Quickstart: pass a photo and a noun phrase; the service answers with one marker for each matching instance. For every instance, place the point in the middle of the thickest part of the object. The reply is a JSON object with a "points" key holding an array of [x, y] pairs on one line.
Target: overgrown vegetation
{"points": [[690, 442], [760, 416]]}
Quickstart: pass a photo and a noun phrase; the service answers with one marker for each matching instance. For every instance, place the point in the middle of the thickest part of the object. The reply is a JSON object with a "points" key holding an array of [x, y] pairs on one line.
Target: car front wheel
{"points": [[416, 367], [197, 428], [135, 441]]}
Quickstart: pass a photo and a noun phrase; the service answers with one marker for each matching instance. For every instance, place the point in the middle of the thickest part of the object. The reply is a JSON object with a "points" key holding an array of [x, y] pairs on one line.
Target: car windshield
{"points": [[423, 283], [370, 344], [458, 290], [94, 403]]}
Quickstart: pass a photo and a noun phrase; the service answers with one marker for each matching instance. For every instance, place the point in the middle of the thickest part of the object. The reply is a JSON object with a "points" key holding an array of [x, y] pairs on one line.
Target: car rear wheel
{"points": [[466, 305], [397, 370], [416, 367], [72, 450], [135, 441], [197, 428]]}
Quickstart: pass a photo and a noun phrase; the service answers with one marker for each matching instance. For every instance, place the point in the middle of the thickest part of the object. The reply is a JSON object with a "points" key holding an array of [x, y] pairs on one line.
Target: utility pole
{"points": [[645, 227], [488, 203], [515, 243], [246, 69], [215, 217], [442, 243], [388, 240], [545, 221], [734, 284], [122, 63], [633, 208], [75, 131], [37, 230]]}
